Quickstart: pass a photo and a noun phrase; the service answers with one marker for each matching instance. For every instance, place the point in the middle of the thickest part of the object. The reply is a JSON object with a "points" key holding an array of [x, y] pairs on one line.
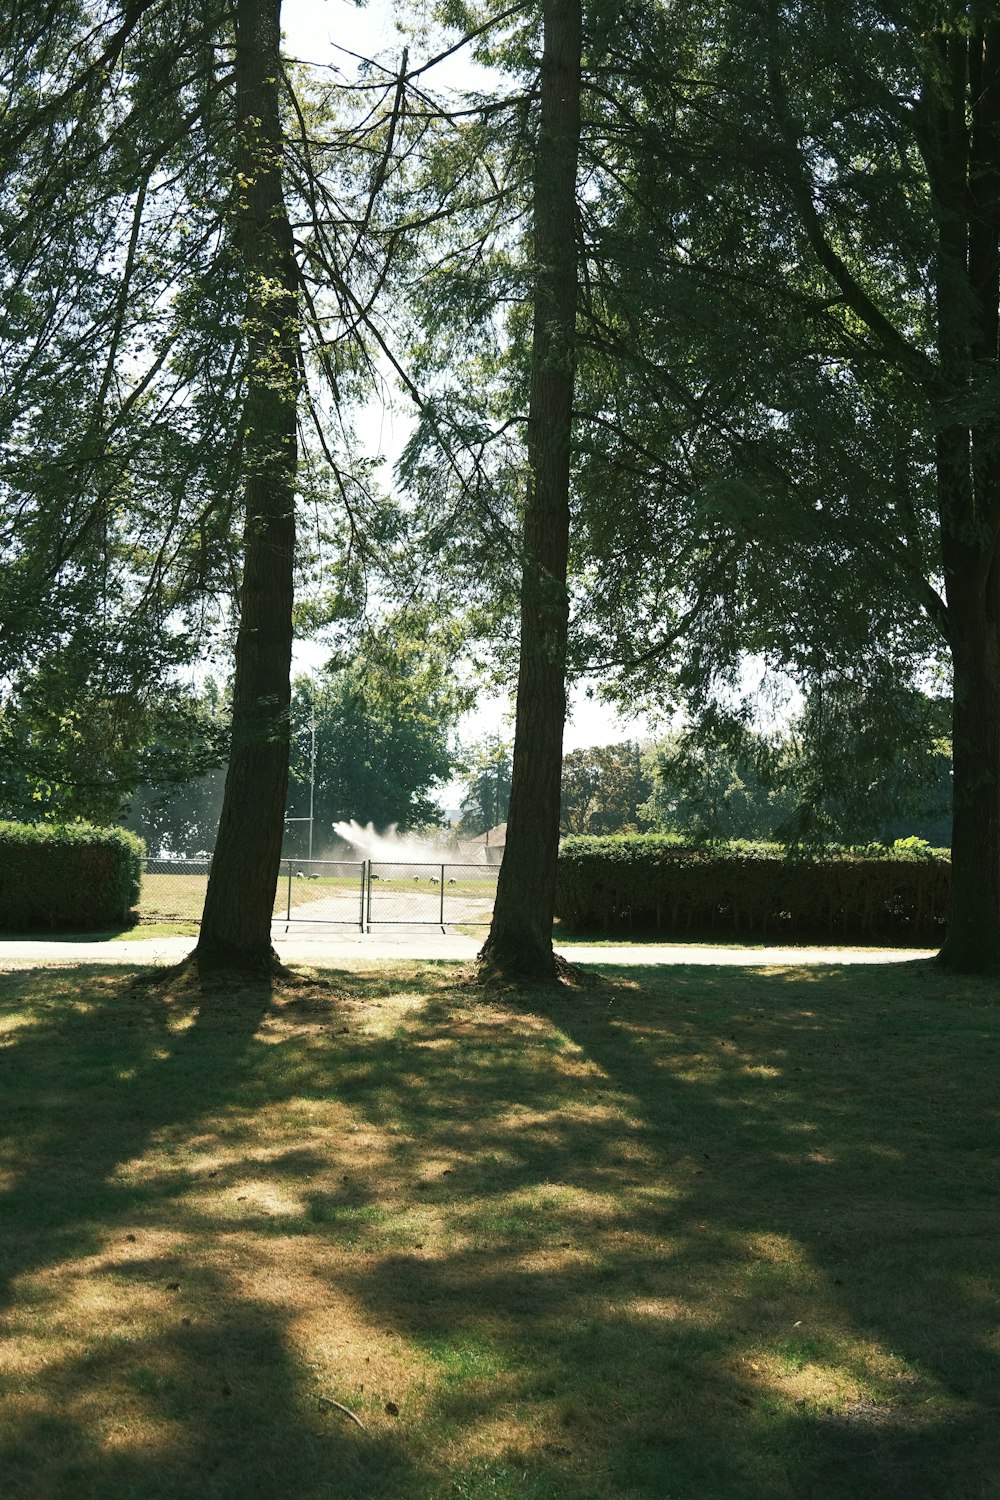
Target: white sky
{"points": [[311, 28]]}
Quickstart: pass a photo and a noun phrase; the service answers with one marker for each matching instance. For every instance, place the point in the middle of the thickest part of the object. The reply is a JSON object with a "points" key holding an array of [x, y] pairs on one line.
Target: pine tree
{"points": [[520, 936], [159, 300]]}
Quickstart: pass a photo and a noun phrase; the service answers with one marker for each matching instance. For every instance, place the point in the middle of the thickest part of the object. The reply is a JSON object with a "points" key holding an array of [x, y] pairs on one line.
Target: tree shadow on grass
{"points": [[706, 1235], [105, 1074], [734, 1243], [848, 1113]]}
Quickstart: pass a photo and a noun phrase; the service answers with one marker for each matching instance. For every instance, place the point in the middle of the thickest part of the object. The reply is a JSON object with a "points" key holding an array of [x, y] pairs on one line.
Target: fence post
{"points": [[361, 911], [368, 867], [288, 914], [442, 898]]}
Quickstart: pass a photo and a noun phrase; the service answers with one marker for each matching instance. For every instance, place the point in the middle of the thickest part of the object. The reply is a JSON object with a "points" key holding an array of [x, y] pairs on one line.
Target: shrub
{"points": [[652, 882], [71, 876]]}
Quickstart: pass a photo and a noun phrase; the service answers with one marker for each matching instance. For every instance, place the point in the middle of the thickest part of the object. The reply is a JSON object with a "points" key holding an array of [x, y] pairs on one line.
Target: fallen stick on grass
{"points": [[329, 1401]]}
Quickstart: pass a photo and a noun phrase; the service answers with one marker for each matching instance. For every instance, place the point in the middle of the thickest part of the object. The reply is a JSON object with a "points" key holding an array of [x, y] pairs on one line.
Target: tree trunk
{"points": [[520, 938], [965, 176], [973, 941], [236, 923]]}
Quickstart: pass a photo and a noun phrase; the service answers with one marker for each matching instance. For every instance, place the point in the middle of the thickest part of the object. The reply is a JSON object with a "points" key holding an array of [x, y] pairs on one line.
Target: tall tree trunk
{"points": [[965, 174], [973, 941], [236, 923], [520, 938]]}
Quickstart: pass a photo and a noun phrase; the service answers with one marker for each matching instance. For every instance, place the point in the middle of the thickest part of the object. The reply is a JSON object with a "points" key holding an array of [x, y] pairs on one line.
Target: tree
{"points": [[958, 133], [178, 821], [178, 812], [861, 773], [835, 772], [236, 922], [384, 730], [603, 789], [75, 744], [709, 791], [799, 305], [520, 936], [114, 529], [487, 792], [177, 323], [519, 941]]}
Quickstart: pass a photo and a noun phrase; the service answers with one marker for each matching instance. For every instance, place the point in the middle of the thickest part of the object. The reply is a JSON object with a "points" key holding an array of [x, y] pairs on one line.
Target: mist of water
{"points": [[391, 847]]}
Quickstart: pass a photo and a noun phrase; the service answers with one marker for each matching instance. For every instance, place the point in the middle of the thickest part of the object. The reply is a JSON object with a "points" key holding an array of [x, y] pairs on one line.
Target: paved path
{"points": [[323, 947]]}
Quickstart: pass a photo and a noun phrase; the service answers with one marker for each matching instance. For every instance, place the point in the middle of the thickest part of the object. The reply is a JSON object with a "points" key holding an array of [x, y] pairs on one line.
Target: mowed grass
{"points": [[688, 1234], [179, 895], [337, 899]]}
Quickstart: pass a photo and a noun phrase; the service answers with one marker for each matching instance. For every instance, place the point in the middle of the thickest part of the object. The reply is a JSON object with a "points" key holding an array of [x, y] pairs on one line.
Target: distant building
{"points": [[487, 848]]}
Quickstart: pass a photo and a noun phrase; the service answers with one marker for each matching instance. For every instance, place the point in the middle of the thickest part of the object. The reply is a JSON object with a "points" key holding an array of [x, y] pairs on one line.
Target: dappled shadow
{"points": [[697, 1204], [106, 1075], [631, 1238], [86, 1089], [210, 1434]]}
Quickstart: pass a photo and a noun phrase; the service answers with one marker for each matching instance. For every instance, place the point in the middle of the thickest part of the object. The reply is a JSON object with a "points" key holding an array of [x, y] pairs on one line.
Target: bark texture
{"points": [[963, 158], [236, 924], [520, 938]]}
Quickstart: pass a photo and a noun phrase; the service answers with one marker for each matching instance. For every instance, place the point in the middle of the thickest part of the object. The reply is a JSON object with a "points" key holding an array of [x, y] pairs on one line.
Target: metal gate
{"points": [[324, 890], [346, 893], [436, 895]]}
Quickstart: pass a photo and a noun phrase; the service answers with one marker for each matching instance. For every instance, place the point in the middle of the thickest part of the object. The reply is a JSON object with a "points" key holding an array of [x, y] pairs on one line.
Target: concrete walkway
{"points": [[331, 947]]}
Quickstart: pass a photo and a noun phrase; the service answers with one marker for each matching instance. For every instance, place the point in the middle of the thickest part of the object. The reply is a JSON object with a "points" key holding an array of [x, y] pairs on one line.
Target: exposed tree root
{"points": [[983, 967], [194, 975], [492, 972]]}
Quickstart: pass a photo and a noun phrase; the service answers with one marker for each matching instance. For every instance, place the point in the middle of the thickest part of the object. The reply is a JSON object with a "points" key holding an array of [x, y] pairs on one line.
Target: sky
{"points": [[315, 29], [325, 31]]}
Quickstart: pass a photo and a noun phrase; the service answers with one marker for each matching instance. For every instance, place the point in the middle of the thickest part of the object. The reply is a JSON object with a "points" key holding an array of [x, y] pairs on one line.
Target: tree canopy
{"points": [[699, 310], [374, 738]]}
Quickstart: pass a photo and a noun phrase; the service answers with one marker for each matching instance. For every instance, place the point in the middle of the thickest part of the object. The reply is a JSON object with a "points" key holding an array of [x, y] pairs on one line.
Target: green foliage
{"points": [[868, 762], [179, 819], [853, 766], [779, 470], [176, 807], [708, 789], [755, 890], [67, 876], [121, 313], [384, 724], [488, 766], [125, 343], [750, 474], [603, 789], [81, 737]]}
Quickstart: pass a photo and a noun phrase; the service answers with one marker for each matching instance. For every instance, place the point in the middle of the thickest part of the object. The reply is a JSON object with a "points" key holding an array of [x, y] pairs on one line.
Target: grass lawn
{"points": [[181, 896], [172, 895], [685, 1234]]}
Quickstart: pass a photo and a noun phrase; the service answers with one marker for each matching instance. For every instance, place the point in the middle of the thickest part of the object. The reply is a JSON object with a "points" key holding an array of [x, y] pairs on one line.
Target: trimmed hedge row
{"points": [[658, 883], [67, 876]]}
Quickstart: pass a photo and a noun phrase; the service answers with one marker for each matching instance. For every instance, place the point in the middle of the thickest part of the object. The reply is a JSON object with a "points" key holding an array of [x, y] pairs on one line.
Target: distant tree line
{"points": [[829, 775]]}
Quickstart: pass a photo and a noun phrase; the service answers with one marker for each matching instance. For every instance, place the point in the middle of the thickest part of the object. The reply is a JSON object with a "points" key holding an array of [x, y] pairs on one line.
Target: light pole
{"points": [[312, 768]]}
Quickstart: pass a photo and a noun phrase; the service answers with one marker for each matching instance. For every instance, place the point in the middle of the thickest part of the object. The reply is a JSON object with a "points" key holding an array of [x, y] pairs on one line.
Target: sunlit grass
{"points": [[176, 895], [688, 1234]]}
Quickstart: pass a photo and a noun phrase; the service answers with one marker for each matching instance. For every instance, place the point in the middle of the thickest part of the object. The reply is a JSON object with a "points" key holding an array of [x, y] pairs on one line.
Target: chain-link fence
{"points": [[355, 893], [173, 889], [443, 895], [321, 890]]}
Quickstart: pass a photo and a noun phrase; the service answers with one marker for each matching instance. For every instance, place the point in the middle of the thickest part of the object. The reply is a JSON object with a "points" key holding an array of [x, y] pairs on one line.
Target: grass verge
{"points": [[689, 1234]]}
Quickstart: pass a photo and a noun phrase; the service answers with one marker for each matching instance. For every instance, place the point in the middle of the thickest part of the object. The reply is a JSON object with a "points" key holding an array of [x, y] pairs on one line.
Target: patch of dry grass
{"points": [[691, 1234]]}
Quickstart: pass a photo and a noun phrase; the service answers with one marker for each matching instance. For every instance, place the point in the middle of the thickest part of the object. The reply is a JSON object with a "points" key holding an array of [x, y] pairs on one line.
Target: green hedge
{"points": [[68, 877], [658, 883]]}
